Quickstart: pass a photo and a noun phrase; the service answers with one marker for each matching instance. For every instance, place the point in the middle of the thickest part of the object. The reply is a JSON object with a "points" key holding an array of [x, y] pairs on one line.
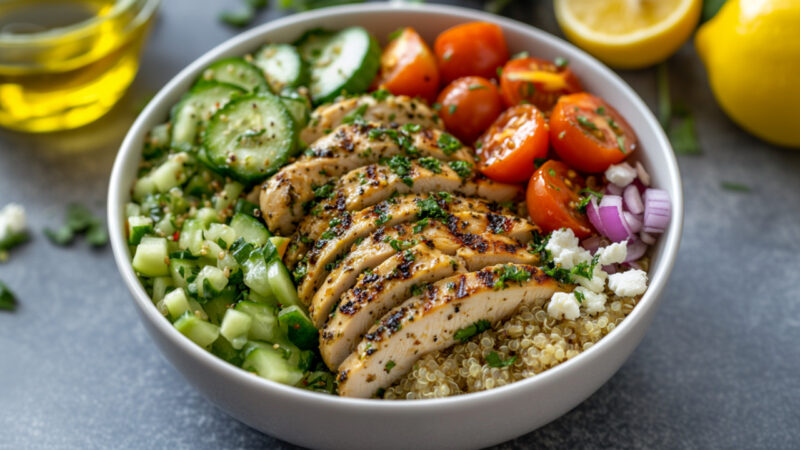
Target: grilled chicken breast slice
{"points": [[348, 147], [345, 229], [429, 321], [398, 110], [383, 289], [456, 233]]}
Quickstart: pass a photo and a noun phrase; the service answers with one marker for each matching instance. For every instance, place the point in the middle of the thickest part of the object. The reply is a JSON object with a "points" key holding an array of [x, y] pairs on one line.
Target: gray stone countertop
{"points": [[718, 368]]}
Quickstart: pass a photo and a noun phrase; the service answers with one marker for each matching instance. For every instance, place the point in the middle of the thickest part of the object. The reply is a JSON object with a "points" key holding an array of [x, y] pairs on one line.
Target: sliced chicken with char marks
{"points": [[449, 238], [378, 292], [429, 321], [336, 241], [392, 109], [348, 147]]}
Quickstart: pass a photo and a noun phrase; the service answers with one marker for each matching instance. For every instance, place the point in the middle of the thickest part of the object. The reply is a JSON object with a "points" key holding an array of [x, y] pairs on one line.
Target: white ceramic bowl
{"points": [[467, 421]]}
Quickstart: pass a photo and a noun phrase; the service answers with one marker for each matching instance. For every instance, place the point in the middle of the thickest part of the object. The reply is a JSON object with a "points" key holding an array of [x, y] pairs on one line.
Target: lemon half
{"points": [[628, 34]]}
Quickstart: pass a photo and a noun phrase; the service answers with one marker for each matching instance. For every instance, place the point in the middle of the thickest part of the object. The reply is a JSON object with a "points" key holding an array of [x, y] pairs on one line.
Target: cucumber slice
{"points": [[255, 274], [224, 350], [282, 66], [235, 71], [152, 257], [244, 206], [138, 226], [235, 327], [195, 109], [343, 62], [269, 363], [198, 330], [299, 109], [301, 331], [250, 229], [264, 325], [226, 198], [251, 137], [281, 284]]}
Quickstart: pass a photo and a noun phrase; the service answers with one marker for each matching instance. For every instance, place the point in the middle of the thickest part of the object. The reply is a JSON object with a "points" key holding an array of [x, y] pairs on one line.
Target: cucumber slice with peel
{"points": [[251, 137], [235, 71], [282, 66], [196, 108]]}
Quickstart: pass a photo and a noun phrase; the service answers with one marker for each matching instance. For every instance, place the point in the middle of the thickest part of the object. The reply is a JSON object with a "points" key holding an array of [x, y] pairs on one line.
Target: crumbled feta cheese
{"points": [[564, 247], [563, 304], [598, 281], [613, 254], [12, 220], [644, 177], [620, 174], [629, 283], [592, 302]]}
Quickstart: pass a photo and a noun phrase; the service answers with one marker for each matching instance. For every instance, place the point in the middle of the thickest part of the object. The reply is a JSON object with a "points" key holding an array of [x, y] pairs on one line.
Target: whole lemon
{"points": [[751, 50]]}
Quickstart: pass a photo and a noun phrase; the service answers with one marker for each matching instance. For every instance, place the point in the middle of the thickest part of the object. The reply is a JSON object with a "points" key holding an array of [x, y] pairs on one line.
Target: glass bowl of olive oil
{"points": [[65, 63]]}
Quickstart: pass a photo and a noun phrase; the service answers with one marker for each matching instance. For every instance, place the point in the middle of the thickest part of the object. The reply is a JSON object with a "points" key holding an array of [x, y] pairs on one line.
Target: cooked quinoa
{"points": [[538, 341]]}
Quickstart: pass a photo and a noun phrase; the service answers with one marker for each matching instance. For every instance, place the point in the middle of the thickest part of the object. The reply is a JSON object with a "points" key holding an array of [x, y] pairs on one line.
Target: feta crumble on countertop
{"points": [[563, 304], [620, 174], [629, 283], [12, 220]]}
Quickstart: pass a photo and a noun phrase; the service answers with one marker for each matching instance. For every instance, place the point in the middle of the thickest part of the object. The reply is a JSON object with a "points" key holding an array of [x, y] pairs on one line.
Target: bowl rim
{"points": [[650, 299]]}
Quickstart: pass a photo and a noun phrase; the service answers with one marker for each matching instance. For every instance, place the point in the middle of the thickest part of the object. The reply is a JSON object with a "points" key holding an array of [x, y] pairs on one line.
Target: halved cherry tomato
{"points": [[509, 147], [553, 199], [408, 67], [468, 106], [475, 48], [588, 134], [536, 81]]}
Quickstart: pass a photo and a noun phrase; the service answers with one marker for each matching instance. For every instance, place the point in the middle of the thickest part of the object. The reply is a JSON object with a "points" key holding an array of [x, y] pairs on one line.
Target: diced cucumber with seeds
{"points": [[195, 109], [133, 209], [138, 226], [255, 274], [342, 62], [181, 270], [269, 363], [280, 282], [171, 173], [235, 71], [191, 237], [251, 137], [176, 304], [160, 286], [203, 333], [212, 278], [250, 229], [207, 216], [301, 330], [152, 257], [220, 232], [264, 325], [235, 327], [282, 66], [226, 198]]}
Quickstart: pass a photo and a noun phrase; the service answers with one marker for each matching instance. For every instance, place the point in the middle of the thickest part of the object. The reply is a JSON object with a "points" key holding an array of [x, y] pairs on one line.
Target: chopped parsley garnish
{"points": [[324, 191], [411, 128], [462, 168], [493, 359], [383, 218], [381, 94], [430, 208], [552, 172], [588, 199], [510, 273], [419, 226], [401, 166], [8, 301], [400, 245], [396, 33], [601, 110], [621, 144], [437, 106], [79, 220], [448, 143], [431, 164], [561, 62], [452, 109], [464, 334], [408, 256], [586, 123], [326, 236], [300, 271], [475, 87], [579, 296], [417, 289], [499, 71], [356, 116], [389, 366]]}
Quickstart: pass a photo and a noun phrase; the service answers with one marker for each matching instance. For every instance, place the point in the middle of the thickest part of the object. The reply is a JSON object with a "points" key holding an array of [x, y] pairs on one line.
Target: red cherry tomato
{"points": [[408, 67], [508, 149], [536, 81], [476, 48], [588, 134], [468, 106], [553, 199]]}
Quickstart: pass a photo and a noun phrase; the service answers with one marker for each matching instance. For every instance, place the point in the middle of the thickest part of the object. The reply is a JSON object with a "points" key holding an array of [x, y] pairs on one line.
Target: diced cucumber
{"points": [[165, 226], [160, 286], [176, 303], [198, 330], [197, 309], [251, 137], [281, 244], [219, 305], [243, 206], [223, 349], [282, 66], [250, 229], [211, 278], [132, 209], [255, 274], [171, 173], [220, 232], [268, 300], [299, 109], [235, 71], [191, 237], [144, 186], [226, 198], [235, 327], [152, 257], [301, 331], [138, 226], [195, 109], [200, 184], [264, 325], [280, 282], [228, 262], [207, 216], [342, 62], [157, 141], [269, 363], [181, 270]]}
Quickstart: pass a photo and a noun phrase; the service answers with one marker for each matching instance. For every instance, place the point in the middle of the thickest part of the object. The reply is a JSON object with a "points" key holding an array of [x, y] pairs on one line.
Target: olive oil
{"points": [[65, 63]]}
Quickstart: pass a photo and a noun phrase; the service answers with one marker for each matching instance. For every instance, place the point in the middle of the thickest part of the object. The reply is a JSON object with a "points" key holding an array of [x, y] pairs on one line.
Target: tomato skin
{"points": [[509, 147], [475, 48], [468, 106], [552, 195], [408, 67], [588, 134], [536, 81]]}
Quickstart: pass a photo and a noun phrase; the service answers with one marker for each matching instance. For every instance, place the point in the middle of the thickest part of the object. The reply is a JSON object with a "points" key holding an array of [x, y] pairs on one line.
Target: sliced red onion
{"points": [[609, 269], [592, 243], [613, 189], [613, 221], [644, 177], [634, 223], [633, 265], [647, 238], [639, 185], [633, 200], [593, 213], [636, 250], [657, 210]]}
